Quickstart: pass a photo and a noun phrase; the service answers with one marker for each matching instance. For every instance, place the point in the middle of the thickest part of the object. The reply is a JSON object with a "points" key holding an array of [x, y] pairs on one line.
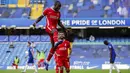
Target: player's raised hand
{"points": [[34, 25]]}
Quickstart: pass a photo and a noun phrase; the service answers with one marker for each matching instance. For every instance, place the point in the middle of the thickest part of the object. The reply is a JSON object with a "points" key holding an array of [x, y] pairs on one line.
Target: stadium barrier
{"points": [[90, 22], [91, 56]]}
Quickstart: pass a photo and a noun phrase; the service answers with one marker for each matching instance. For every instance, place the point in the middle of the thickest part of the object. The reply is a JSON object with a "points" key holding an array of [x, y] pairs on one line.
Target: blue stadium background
{"points": [[16, 17]]}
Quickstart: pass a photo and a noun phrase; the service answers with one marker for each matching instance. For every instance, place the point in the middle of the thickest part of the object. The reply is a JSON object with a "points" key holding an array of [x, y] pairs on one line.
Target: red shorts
{"points": [[14, 64], [53, 37], [41, 61], [63, 62]]}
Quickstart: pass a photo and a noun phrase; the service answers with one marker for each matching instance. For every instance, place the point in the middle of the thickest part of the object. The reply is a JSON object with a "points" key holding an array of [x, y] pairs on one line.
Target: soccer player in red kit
{"points": [[52, 19], [56, 60], [61, 54]]}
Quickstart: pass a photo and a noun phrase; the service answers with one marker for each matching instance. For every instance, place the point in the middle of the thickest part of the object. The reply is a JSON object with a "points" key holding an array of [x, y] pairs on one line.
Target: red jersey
{"points": [[52, 18], [62, 49]]}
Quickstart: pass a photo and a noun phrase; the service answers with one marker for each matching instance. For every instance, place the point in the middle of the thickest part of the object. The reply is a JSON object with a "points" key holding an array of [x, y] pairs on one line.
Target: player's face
{"points": [[57, 7], [61, 35], [29, 44], [105, 42]]}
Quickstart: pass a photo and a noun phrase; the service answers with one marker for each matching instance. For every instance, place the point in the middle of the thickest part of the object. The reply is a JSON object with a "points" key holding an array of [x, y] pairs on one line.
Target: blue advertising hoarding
{"points": [[72, 22], [97, 22], [86, 56]]}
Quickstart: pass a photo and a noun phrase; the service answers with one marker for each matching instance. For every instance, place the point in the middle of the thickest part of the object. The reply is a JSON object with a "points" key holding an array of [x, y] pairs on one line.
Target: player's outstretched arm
{"points": [[61, 25], [70, 49], [38, 20]]}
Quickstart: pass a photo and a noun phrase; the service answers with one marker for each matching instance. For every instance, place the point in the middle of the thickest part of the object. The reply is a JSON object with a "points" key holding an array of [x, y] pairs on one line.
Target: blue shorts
{"points": [[30, 60], [112, 59]]}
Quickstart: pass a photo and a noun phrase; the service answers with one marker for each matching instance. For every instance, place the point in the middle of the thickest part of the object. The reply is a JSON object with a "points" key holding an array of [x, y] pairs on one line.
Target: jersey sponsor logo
{"points": [[53, 17], [62, 48]]}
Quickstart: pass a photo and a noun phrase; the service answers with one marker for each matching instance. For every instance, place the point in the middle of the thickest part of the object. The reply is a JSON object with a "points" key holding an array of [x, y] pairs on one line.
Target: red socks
{"points": [[57, 70], [61, 71], [52, 51]]}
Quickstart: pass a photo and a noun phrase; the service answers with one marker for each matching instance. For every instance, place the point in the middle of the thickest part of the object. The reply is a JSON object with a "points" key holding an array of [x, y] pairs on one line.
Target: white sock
{"points": [[111, 66], [35, 68], [25, 68], [116, 68]]}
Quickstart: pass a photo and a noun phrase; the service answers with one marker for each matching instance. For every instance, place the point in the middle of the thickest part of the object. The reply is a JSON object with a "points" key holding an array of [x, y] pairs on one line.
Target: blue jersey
{"points": [[111, 49], [112, 53], [30, 50], [30, 59]]}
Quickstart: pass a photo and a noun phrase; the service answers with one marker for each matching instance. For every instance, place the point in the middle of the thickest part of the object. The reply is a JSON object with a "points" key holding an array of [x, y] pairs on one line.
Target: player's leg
{"points": [[56, 61], [35, 67], [116, 68], [16, 66], [113, 60], [67, 70], [51, 52], [110, 70], [30, 61], [13, 65], [60, 64], [42, 62], [67, 65], [111, 65], [54, 41], [25, 68], [61, 69], [39, 64], [55, 38], [57, 69]]}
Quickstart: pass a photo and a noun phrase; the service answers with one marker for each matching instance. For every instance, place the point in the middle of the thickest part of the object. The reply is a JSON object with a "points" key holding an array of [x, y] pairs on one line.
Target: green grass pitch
{"points": [[72, 71]]}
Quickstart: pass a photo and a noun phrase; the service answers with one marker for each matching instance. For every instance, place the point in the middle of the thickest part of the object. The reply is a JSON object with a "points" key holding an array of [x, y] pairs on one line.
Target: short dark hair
{"points": [[29, 42], [105, 42], [57, 2]]}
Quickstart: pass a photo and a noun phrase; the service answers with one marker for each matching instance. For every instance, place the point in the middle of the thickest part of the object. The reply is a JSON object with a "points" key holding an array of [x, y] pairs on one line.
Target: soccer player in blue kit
{"points": [[30, 57], [112, 56]]}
